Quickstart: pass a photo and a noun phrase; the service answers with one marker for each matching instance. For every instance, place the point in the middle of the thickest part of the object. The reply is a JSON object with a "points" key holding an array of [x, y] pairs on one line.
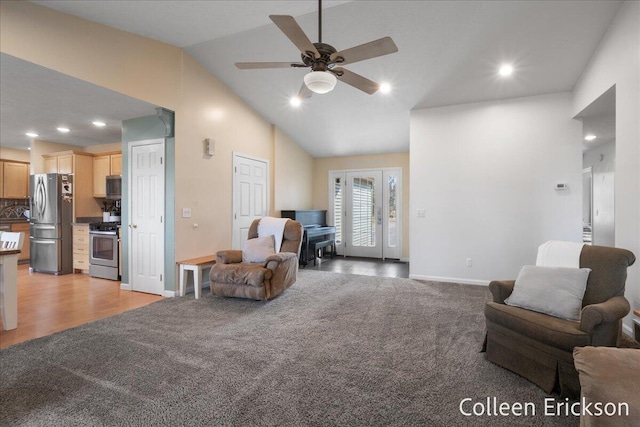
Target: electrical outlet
{"points": [[422, 213], [186, 212], [469, 262]]}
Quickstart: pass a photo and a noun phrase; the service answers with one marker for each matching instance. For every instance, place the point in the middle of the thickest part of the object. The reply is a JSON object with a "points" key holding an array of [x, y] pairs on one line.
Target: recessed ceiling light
{"points": [[99, 124], [385, 87], [295, 101], [590, 137], [32, 134], [63, 129], [505, 70]]}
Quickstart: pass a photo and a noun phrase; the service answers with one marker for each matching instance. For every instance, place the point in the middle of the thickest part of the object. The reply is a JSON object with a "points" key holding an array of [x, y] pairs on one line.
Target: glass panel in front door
{"points": [[363, 226], [392, 229], [338, 191]]}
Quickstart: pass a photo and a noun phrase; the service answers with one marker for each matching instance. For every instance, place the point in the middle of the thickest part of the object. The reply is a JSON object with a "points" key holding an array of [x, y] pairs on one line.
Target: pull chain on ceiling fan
{"points": [[323, 59]]}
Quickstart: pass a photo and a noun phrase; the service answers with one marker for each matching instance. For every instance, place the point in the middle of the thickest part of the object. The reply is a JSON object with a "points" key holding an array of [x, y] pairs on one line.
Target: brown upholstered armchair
{"points": [[540, 347], [230, 277]]}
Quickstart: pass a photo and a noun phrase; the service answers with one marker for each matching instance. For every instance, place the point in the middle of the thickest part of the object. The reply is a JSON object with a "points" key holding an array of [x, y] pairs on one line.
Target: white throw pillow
{"points": [[258, 249], [557, 291]]}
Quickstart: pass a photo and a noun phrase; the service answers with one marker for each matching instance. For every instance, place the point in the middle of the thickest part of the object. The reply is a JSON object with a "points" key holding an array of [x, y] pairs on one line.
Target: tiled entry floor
{"points": [[363, 266]]}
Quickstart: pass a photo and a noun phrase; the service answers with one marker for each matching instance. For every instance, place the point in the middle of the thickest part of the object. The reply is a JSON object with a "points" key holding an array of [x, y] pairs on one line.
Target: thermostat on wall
{"points": [[562, 186]]}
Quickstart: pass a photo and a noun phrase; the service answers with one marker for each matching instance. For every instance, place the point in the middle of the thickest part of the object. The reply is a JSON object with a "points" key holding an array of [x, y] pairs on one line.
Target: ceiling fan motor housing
{"points": [[323, 63]]}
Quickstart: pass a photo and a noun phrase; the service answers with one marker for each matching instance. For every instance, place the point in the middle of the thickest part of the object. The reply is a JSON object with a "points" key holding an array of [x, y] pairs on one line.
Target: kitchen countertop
{"points": [[13, 221]]}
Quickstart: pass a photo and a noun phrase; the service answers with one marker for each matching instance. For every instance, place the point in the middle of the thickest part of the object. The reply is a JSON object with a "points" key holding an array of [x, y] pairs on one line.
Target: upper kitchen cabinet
{"points": [[58, 163], [79, 164], [116, 164], [104, 165], [14, 180]]}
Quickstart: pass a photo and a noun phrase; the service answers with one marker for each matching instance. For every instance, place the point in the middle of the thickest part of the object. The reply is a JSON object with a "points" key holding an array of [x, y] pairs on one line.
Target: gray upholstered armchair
{"points": [[230, 277], [540, 347]]}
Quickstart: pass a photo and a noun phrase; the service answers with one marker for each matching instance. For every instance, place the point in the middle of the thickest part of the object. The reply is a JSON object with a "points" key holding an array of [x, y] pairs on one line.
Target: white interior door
{"points": [[250, 195], [146, 225], [363, 237]]}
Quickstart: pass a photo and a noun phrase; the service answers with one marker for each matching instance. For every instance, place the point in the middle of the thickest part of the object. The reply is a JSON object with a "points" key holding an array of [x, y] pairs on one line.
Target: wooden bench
{"points": [[195, 265], [321, 245]]}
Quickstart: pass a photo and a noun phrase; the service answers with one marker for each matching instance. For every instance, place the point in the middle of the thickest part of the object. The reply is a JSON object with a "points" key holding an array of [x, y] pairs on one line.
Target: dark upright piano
{"points": [[316, 232]]}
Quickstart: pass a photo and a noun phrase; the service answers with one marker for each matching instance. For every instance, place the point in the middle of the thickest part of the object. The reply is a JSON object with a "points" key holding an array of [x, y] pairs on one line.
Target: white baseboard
{"points": [[627, 330], [169, 294], [125, 286], [450, 280]]}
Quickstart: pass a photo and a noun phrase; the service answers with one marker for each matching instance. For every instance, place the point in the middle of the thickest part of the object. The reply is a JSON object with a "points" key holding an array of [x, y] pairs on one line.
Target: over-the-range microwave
{"points": [[114, 187]]}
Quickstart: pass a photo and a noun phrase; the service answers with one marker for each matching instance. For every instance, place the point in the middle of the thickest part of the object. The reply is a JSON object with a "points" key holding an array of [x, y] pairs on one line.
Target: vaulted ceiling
{"points": [[449, 52]]}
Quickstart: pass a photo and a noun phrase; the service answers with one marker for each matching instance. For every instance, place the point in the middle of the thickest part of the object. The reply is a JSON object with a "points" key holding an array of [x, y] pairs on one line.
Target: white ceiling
{"points": [[38, 99], [448, 54]]}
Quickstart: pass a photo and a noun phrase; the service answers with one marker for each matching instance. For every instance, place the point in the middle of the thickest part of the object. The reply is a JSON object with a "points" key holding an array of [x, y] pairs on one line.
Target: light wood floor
{"points": [[48, 303]]}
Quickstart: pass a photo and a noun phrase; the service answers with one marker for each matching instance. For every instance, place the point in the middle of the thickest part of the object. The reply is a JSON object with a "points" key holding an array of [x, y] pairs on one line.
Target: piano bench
{"points": [[321, 245]]}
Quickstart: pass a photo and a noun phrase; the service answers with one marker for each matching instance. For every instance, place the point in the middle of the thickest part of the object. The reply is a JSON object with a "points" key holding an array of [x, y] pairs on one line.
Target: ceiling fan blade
{"points": [[356, 80], [380, 47], [292, 30], [257, 65], [305, 92]]}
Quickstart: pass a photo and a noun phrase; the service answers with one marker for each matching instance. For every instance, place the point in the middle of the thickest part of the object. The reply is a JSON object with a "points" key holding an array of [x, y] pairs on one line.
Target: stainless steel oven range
{"points": [[103, 250]]}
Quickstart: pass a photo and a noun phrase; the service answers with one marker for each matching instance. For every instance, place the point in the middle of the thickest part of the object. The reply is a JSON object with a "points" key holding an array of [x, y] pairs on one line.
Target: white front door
{"points": [[365, 206], [146, 222], [363, 236], [250, 195]]}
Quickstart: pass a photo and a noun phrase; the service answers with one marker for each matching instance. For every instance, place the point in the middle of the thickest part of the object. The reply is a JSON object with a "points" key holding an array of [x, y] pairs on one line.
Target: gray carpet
{"points": [[334, 349]]}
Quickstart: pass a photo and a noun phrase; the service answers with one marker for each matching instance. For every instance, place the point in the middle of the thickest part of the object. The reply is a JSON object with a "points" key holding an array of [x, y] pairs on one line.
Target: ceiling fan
{"points": [[324, 60]]}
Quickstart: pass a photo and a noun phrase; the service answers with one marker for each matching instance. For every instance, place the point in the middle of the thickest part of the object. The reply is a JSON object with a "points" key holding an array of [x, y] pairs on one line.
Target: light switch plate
{"points": [[186, 212], [422, 213]]}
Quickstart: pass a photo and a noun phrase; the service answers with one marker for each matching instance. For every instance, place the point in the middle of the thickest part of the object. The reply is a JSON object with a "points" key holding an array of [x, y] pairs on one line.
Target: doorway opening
{"points": [[598, 162]]}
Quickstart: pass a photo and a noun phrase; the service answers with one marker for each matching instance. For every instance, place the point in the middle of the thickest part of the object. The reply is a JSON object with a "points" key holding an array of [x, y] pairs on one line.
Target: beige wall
{"points": [[136, 66], [321, 168], [294, 177], [204, 183], [166, 76], [17, 155]]}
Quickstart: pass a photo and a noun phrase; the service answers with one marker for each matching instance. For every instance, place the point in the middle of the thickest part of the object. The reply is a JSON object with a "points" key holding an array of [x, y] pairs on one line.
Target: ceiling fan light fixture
{"points": [[320, 81]]}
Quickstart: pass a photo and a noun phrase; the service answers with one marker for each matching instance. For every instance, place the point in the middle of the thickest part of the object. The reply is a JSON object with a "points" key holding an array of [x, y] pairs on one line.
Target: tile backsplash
{"points": [[13, 208]]}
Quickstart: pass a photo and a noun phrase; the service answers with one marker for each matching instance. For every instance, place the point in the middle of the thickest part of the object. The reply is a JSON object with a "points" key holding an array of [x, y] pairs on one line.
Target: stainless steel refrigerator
{"points": [[51, 199]]}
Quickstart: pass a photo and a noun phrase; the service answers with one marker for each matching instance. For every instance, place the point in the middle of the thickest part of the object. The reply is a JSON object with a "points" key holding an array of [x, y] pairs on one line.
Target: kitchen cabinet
{"points": [[58, 163], [15, 180], [104, 165], [116, 164], [23, 227], [80, 247], [80, 164]]}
